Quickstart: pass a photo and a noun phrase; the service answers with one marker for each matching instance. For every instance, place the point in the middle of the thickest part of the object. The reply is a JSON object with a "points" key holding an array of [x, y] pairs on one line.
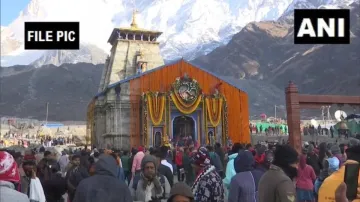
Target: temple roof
{"points": [[225, 79], [134, 28]]}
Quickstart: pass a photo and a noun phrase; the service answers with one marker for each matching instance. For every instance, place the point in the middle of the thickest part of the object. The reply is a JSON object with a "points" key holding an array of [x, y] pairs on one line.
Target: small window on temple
{"points": [[142, 67]]}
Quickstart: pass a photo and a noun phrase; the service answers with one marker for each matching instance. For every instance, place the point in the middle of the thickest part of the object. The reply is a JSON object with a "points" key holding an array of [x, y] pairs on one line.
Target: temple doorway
{"points": [[183, 128], [211, 137], [157, 139]]}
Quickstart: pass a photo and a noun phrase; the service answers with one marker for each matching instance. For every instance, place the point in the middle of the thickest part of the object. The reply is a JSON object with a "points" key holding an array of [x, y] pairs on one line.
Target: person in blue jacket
{"points": [[230, 169]]}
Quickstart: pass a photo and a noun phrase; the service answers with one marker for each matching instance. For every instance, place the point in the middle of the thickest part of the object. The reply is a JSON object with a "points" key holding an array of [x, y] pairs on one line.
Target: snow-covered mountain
{"points": [[319, 4], [190, 27]]}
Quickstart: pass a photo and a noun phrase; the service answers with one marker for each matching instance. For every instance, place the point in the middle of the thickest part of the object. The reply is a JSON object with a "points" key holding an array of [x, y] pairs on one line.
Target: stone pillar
{"points": [[104, 73], [293, 116]]}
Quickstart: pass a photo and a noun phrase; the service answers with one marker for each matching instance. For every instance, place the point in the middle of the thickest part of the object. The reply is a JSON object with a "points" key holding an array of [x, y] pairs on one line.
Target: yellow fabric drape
{"points": [[214, 110], [183, 107], [156, 106]]}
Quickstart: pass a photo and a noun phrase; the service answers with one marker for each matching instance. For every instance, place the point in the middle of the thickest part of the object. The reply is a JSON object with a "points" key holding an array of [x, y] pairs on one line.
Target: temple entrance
{"points": [[183, 128], [211, 137]]}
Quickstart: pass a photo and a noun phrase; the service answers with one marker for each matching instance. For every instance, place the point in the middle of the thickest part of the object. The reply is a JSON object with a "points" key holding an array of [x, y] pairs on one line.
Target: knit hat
{"points": [[335, 149], [285, 155], [201, 157], [147, 159], [8, 168], [182, 189]]}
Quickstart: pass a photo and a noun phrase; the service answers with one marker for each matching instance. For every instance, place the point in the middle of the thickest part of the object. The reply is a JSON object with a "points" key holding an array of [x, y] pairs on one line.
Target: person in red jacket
{"points": [[179, 164], [305, 181]]}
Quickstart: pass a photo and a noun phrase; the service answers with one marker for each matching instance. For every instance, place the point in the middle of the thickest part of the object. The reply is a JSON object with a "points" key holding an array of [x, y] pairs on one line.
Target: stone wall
{"points": [[112, 120], [124, 54]]}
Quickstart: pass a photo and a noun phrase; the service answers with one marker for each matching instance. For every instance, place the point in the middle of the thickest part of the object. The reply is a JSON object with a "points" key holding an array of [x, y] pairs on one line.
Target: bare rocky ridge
{"points": [[68, 89], [265, 51]]}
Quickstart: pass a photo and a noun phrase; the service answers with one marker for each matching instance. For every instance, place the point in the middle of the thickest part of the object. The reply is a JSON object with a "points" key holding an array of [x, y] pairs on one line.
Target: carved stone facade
{"points": [[130, 51]]}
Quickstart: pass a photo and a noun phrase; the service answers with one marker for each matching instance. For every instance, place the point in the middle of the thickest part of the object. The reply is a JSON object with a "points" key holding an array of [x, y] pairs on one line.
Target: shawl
{"points": [[203, 173]]}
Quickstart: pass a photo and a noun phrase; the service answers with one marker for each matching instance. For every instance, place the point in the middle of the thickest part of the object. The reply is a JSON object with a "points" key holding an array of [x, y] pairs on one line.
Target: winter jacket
{"points": [[230, 170], [244, 185], [8, 193], [104, 185]]}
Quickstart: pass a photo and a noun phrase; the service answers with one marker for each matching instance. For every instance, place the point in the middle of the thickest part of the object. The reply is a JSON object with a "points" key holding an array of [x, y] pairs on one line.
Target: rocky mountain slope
{"points": [[25, 90], [265, 51], [87, 54]]}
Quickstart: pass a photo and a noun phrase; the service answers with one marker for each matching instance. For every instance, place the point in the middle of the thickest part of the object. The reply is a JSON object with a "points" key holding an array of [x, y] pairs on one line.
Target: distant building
{"points": [[53, 125]]}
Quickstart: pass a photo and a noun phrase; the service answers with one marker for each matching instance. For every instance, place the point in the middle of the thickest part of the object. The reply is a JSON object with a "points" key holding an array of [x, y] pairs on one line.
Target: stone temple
{"points": [[142, 101]]}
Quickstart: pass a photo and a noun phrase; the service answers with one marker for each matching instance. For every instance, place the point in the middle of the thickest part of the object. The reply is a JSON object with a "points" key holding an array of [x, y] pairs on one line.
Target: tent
{"points": [[353, 116], [353, 126], [265, 125]]}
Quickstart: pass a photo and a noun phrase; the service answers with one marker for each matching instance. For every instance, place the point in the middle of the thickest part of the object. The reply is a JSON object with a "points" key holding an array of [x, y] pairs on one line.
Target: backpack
{"points": [[138, 177]]}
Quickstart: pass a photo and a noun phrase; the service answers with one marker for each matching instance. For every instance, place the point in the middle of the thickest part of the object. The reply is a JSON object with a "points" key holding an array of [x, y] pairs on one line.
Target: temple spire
{"points": [[133, 22]]}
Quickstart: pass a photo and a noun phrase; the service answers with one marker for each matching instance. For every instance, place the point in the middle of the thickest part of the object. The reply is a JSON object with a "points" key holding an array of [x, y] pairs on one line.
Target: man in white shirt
{"points": [[164, 149], [165, 163]]}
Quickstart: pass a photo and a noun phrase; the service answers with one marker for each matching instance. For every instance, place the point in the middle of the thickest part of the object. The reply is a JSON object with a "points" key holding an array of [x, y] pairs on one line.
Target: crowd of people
{"points": [[243, 173]]}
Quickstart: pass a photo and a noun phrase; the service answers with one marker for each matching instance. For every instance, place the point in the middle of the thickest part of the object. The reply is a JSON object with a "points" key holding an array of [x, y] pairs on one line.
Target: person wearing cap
{"points": [[149, 184], [181, 192], [276, 185], [330, 165], [330, 184], [208, 185], [10, 180]]}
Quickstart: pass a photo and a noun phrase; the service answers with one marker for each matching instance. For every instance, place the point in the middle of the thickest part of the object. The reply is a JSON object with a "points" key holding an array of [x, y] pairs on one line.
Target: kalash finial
{"points": [[133, 22]]}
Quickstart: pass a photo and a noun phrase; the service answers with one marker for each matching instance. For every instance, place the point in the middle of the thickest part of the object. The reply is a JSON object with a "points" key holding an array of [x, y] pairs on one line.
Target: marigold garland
{"points": [[214, 110], [185, 109], [156, 106]]}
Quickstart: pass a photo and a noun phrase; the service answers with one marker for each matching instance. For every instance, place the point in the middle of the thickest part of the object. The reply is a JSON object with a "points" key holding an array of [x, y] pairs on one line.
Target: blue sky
{"points": [[10, 9]]}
